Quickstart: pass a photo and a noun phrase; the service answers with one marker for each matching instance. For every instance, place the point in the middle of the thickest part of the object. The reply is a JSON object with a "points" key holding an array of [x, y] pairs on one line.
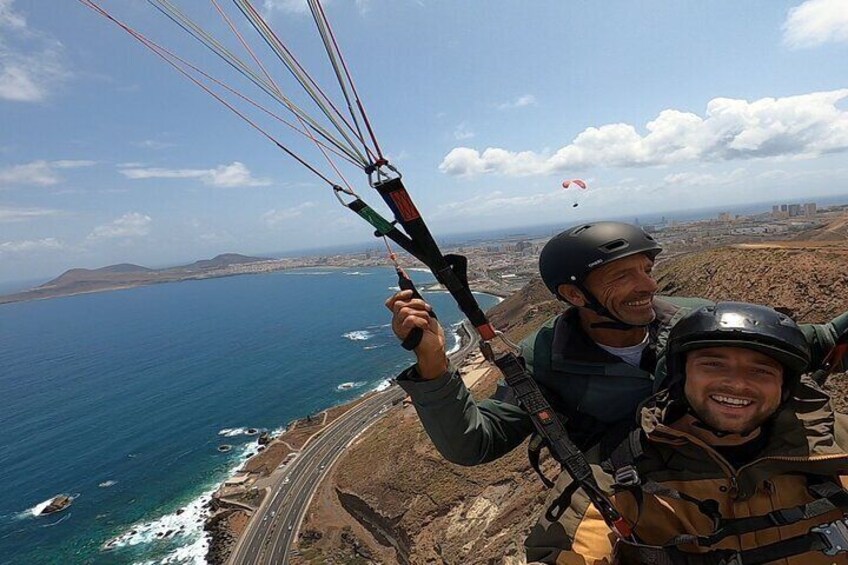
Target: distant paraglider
{"points": [[575, 184]]}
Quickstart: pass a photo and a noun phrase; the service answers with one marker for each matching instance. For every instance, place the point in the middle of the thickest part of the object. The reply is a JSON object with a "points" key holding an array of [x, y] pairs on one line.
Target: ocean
{"points": [[122, 398]]}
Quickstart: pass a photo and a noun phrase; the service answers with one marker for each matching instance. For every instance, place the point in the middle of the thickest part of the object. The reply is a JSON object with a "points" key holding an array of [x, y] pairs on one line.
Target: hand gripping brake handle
{"points": [[413, 338]]}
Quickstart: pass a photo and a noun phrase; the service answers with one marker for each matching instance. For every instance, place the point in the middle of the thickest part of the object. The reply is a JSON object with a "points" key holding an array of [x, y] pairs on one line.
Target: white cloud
{"points": [[462, 131], [155, 144], [274, 218], [72, 164], [132, 224], [689, 178], [235, 174], [816, 22], [520, 102], [9, 19], [29, 246], [8, 215], [496, 203], [286, 6], [31, 68], [38, 173], [804, 126]]}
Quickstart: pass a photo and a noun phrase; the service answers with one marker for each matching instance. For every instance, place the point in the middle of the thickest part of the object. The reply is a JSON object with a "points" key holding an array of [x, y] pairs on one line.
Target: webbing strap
{"points": [[449, 270], [550, 427], [830, 539], [831, 497], [385, 228]]}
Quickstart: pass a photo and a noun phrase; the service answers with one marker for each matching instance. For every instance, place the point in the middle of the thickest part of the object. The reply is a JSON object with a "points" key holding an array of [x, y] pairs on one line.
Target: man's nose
{"points": [[647, 283]]}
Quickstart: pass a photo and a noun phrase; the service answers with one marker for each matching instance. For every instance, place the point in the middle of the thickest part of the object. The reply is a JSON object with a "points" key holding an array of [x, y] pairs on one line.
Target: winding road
{"points": [[273, 528]]}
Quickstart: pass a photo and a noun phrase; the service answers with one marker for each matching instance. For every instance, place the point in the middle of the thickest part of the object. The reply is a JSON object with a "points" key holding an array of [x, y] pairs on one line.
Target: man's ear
{"points": [[572, 294]]}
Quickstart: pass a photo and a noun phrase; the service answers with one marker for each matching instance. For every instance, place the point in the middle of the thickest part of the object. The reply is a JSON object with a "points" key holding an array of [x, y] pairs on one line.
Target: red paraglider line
{"points": [[162, 52]]}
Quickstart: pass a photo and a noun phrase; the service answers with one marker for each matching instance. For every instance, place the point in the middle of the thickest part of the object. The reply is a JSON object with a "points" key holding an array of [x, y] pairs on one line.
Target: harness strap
{"points": [[552, 430], [832, 497], [830, 539]]}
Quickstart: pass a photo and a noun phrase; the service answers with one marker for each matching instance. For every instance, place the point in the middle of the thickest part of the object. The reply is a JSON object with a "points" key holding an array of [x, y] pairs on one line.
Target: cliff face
{"points": [[394, 494]]}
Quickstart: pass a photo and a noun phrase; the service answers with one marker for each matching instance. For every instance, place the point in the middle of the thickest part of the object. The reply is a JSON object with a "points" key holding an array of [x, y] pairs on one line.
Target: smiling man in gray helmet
{"points": [[595, 363]]}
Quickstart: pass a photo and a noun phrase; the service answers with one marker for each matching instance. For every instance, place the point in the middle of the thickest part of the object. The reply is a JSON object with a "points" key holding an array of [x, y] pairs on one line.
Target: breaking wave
{"points": [[358, 335], [382, 386], [184, 526], [308, 273], [350, 385], [107, 484], [234, 432], [454, 334], [356, 273], [37, 509]]}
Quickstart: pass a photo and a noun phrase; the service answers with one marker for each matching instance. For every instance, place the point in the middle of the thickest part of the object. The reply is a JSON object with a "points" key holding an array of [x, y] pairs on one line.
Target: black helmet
{"points": [[571, 255], [739, 324]]}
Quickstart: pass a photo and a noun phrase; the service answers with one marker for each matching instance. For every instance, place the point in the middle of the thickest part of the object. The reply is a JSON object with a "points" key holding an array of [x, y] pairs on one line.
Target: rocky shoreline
{"points": [[239, 496]]}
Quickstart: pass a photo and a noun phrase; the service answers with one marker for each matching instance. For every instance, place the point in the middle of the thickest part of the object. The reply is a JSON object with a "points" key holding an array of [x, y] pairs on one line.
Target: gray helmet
{"points": [[571, 255], [739, 324]]}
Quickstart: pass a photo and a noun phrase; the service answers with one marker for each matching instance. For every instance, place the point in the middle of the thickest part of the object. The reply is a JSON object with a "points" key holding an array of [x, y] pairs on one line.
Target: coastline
{"points": [[234, 501], [175, 275]]}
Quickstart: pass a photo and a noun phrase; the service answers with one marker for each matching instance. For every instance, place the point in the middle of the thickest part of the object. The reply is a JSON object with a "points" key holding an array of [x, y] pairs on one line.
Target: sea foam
{"points": [[358, 335], [186, 527], [350, 385]]}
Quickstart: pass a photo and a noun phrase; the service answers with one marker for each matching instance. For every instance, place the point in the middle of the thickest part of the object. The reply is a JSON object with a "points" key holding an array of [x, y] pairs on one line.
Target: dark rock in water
{"points": [[225, 448], [264, 438], [252, 431], [58, 504], [168, 533], [180, 511]]}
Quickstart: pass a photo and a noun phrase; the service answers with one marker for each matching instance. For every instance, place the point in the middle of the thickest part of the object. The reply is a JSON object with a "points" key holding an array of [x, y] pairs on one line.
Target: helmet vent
{"points": [[580, 230], [614, 245]]}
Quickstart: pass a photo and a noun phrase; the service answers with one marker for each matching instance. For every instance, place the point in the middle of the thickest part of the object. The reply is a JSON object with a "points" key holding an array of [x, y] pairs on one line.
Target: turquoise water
{"points": [[122, 399]]}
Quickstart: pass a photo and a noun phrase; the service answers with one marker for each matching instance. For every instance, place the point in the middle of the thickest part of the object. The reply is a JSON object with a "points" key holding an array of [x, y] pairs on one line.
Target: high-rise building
{"points": [[775, 210], [810, 209], [794, 210], [784, 208]]}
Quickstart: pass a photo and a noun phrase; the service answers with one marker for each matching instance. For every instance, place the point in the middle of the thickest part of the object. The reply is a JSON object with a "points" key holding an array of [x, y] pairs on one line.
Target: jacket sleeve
{"points": [[465, 432], [822, 337]]}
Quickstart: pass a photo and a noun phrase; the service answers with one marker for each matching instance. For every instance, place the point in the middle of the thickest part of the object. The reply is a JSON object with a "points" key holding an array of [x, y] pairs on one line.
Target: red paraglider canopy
{"points": [[576, 182]]}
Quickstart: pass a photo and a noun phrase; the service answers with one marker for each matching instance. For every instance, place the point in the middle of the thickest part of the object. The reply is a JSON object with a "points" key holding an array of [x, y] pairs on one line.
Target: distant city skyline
{"points": [[108, 156]]}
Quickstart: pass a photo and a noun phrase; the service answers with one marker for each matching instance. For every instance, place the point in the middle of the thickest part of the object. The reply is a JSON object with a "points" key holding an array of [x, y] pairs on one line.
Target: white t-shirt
{"points": [[632, 354]]}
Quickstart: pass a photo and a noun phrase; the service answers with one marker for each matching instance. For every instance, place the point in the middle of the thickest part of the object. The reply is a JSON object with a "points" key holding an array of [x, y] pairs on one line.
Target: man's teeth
{"points": [[730, 400], [644, 302]]}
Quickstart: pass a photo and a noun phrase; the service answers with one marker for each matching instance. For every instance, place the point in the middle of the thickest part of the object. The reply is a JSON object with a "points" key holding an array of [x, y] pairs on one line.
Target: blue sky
{"points": [[108, 155]]}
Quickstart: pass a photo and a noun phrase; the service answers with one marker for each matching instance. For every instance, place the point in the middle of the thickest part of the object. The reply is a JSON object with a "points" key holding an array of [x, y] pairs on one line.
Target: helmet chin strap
{"points": [[593, 304]]}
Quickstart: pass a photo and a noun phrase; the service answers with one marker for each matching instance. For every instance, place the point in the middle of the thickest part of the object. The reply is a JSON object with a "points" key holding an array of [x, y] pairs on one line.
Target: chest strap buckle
{"points": [[835, 534], [627, 476]]}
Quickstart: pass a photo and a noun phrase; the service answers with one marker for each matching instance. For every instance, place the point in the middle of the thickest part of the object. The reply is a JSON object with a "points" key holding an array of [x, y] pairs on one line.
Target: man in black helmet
{"points": [[738, 462], [595, 363]]}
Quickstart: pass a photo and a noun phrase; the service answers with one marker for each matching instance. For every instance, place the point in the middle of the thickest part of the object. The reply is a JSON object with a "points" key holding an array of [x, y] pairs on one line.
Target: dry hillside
{"points": [[393, 499]]}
